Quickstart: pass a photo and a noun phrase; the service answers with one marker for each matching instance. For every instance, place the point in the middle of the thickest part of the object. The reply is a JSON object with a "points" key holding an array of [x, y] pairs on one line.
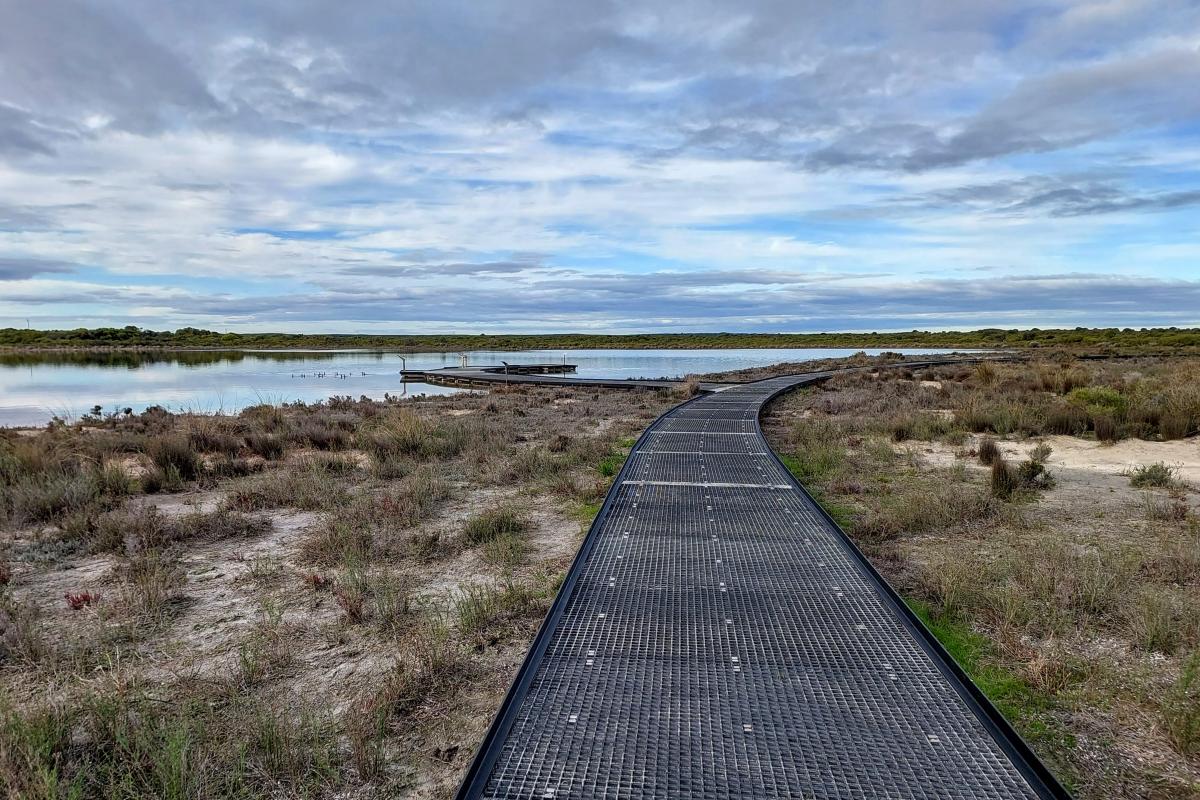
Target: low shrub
{"points": [[989, 451], [352, 599], [267, 445], [1004, 480], [1174, 425], [48, 497], [1105, 427], [77, 601], [173, 454], [1146, 475]]}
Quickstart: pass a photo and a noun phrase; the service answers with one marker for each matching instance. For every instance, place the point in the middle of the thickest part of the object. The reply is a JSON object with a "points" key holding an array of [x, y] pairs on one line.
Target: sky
{"points": [[602, 166]]}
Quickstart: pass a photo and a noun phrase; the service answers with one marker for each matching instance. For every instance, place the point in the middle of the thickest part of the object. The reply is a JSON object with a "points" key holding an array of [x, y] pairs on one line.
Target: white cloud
{"points": [[180, 160]]}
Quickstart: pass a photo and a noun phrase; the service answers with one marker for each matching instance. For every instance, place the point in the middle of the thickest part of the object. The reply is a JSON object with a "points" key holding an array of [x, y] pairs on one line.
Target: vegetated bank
{"points": [[308, 600], [1105, 340], [1042, 516]]}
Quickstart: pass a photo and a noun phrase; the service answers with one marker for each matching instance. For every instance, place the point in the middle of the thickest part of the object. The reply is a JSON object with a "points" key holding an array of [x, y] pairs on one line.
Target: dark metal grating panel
{"points": [[719, 637]]}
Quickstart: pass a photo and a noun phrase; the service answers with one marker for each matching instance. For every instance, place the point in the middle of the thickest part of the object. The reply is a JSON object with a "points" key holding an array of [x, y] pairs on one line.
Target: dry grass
{"points": [[290, 607], [1073, 605]]}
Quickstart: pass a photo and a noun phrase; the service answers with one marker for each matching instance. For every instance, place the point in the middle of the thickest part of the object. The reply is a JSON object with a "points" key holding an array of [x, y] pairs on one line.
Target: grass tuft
{"points": [[493, 524], [1181, 708]]}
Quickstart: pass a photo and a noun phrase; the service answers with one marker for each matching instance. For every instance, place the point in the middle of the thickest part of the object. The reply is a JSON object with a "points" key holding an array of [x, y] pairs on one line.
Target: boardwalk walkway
{"points": [[719, 637]]}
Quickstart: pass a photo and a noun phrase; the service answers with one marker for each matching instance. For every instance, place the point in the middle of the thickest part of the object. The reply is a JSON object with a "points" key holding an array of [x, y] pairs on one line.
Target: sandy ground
{"points": [[1072, 455]]}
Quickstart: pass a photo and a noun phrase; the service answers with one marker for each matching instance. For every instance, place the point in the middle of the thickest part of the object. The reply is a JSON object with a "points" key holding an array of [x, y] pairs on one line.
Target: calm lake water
{"points": [[36, 387]]}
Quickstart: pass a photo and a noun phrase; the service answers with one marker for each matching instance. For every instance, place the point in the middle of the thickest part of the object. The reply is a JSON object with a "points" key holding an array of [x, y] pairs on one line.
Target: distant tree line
{"points": [[131, 336]]}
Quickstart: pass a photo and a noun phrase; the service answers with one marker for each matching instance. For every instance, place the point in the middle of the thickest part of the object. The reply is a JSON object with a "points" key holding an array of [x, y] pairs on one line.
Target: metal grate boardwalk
{"points": [[719, 637]]}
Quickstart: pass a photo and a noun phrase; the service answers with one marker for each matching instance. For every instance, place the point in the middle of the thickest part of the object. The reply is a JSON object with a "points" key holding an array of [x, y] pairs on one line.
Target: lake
{"points": [[37, 386]]}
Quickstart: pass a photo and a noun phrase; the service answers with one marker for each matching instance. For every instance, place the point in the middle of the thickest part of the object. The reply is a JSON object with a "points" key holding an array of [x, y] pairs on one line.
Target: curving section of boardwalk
{"points": [[719, 637]]}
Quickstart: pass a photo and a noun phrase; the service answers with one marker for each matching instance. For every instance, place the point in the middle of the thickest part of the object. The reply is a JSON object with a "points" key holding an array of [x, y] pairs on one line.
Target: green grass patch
{"points": [[586, 512], [1021, 703], [611, 464]]}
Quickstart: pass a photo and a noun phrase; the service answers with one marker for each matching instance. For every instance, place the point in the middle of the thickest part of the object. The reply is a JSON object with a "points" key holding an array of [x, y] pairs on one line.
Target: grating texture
{"points": [[718, 638]]}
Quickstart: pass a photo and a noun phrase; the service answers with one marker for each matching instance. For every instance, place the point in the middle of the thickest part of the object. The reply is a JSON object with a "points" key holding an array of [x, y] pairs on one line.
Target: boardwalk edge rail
{"points": [[1026, 761], [1039, 777]]}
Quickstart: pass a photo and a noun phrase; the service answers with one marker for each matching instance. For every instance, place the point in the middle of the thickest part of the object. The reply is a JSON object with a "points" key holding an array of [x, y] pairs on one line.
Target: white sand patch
{"points": [[1069, 452], [1072, 454]]}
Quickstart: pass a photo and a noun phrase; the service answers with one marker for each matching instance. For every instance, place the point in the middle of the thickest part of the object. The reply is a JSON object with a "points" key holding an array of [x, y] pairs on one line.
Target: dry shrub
{"points": [[174, 456], [1066, 419], [1181, 708], [989, 451], [207, 438], [1151, 617], [688, 389], [1004, 479], [985, 373], [913, 508], [1174, 425], [51, 496], [1105, 427], [320, 435], [151, 584], [267, 445]]}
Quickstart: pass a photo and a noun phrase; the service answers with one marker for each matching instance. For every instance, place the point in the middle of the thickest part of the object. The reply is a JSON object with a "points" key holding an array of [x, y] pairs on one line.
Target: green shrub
{"points": [[200, 746], [1097, 398], [1147, 475]]}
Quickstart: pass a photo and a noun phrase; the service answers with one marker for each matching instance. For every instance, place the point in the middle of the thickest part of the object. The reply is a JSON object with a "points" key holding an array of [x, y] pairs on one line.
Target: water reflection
{"points": [[34, 386]]}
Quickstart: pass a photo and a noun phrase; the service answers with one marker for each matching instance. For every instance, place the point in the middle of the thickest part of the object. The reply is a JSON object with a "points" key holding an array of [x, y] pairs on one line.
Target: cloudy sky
{"points": [[535, 165]]}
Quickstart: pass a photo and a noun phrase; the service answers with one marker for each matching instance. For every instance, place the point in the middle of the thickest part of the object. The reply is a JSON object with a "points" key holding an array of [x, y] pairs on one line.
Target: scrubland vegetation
{"points": [[1098, 339], [321, 601], [1067, 583], [330, 600]]}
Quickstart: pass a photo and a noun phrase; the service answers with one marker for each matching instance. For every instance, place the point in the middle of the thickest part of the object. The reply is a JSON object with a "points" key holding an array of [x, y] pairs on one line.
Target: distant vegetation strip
{"points": [[1104, 339]]}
